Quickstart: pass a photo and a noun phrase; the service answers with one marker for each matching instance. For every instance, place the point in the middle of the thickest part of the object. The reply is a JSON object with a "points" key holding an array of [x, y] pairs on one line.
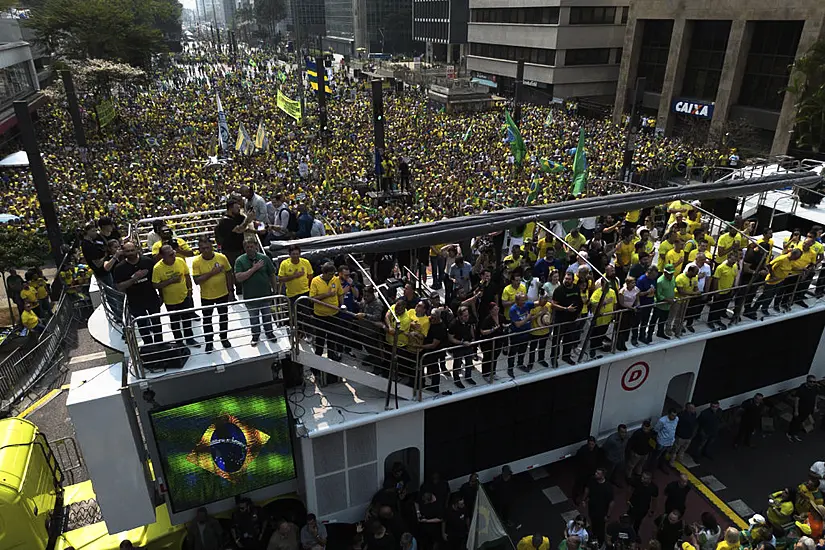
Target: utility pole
{"points": [[321, 71], [630, 136], [517, 92], [40, 179], [378, 126], [299, 55], [74, 108], [217, 29]]}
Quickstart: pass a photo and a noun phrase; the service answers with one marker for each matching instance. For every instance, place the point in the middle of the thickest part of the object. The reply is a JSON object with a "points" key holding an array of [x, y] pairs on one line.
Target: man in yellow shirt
{"points": [[687, 286], [702, 248], [325, 291], [664, 247], [171, 276], [778, 271], [42, 293], [603, 312], [180, 246], [732, 240], [29, 293], [508, 295], [295, 273], [676, 256], [513, 261], [212, 272], [801, 275], [534, 542], [30, 319], [575, 239], [724, 278], [677, 207], [624, 254], [540, 333]]}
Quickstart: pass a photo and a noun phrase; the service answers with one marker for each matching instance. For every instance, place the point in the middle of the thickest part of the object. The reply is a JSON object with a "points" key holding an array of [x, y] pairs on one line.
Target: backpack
{"points": [[292, 224]]}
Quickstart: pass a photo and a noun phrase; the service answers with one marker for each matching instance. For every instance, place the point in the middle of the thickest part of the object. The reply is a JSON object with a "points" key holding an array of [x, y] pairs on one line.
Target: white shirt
{"points": [[533, 290], [588, 223], [627, 297], [703, 277]]}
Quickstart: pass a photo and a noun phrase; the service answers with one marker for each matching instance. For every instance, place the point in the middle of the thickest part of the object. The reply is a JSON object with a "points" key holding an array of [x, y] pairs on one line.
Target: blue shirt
{"points": [[519, 314], [304, 225], [644, 284], [665, 430]]}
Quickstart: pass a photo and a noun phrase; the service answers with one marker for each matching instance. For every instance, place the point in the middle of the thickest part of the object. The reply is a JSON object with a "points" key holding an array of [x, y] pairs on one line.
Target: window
{"points": [[619, 54], [772, 51], [587, 56], [539, 56], [624, 15], [516, 16], [705, 60], [654, 53], [15, 82], [592, 16]]}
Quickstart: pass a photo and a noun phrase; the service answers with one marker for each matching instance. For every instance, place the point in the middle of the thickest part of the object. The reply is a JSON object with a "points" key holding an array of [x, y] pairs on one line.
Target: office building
{"points": [[311, 17], [368, 26], [570, 49], [22, 70], [442, 26], [710, 63], [230, 7]]}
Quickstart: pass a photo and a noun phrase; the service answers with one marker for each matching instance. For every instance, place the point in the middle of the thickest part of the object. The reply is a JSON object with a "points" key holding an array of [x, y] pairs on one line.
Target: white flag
{"points": [[223, 128], [486, 528]]}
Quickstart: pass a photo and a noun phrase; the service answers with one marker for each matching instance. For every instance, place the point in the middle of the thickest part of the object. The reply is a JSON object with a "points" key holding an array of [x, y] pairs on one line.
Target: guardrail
{"points": [[189, 227]]}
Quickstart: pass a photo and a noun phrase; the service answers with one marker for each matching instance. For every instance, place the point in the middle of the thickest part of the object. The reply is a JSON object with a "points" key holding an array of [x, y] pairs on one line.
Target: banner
{"points": [[223, 127], [105, 112], [486, 529], [261, 142], [289, 106], [243, 144]]}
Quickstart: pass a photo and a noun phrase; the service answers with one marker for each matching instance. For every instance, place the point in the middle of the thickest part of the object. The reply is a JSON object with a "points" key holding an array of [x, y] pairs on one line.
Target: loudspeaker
{"points": [[163, 356]]}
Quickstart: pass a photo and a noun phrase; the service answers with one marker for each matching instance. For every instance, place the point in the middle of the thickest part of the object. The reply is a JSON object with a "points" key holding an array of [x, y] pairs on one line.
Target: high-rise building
{"points": [[707, 62], [442, 26], [570, 49], [368, 26], [229, 9], [310, 15]]}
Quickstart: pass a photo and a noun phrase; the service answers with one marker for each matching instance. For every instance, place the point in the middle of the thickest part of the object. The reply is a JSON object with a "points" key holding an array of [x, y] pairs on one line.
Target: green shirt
{"points": [[259, 284], [665, 289]]}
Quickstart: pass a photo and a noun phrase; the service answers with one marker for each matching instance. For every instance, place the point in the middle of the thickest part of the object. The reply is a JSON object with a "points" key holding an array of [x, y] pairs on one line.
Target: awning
{"points": [[20, 158], [484, 82]]}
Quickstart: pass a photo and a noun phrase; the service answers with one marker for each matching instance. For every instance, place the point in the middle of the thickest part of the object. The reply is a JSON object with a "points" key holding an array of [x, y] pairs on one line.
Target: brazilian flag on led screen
{"points": [[224, 446]]}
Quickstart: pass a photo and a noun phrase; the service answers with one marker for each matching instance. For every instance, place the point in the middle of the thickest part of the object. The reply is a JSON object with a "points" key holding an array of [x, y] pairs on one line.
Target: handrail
{"points": [[576, 252], [178, 216], [421, 284]]}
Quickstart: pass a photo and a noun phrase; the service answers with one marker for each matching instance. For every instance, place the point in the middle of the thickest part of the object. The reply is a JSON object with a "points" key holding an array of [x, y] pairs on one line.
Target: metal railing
{"points": [[17, 377], [235, 325], [189, 227]]}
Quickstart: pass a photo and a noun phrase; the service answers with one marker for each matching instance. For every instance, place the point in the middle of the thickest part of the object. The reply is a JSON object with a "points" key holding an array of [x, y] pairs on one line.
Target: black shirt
{"points": [[640, 442], [462, 331], [642, 496], [387, 542], [600, 496], [668, 533], [94, 249], [438, 331], [456, 523], [567, 297], [686, 428], [709, 422], [228, 240], [676, 496], [142, 290], [622, 535], [807, 397]]}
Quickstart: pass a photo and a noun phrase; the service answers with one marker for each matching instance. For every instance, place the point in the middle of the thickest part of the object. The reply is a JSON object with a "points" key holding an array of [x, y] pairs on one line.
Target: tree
{"points": [[269, 13], [122, 30], [20, 248], [808, 89]]}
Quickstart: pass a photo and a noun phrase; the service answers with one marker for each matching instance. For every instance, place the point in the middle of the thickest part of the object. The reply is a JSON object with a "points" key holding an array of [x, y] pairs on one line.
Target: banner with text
{"points": [[289, 106]]}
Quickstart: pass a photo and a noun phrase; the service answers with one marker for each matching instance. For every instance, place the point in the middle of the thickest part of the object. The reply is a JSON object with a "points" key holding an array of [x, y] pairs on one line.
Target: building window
{"points": [[625, 10], [592, 16], [619, 54], [654, 52], [707, 55], [587, 56], [15, 82], [516, 16], [538, 56], [773, 49]]}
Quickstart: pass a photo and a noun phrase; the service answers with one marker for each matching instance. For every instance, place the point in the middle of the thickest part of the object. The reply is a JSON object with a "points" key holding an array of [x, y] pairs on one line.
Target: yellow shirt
{"points": [[527, 544], [682, 207], [320, 286], [181, 246], [299, 285], [509, 293], [536, 322], [725, 275], [574, 242], [214, 287], [543, 246], [423, 321], [435, 250], [29, 295], [510, 262], [174, 293], [692, 226], [729, 243], [723, 545], [633, 216], [42, 291], [807, 258], [404, 322], [780, 268], [608, 305], [665, 247], [675, 258], [685, 284], [624, 253], [30, 319], [692, 254], [529, 231]]}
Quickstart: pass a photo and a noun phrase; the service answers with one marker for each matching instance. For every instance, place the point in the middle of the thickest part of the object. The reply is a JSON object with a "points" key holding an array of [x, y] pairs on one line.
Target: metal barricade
{"points": [[189, 227], [270, 315]]}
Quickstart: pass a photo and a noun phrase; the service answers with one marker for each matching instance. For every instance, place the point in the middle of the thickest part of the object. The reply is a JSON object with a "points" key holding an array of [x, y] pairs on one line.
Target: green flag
{"points": [[580, 166], [550, 167], [516, 142], [534, 192], [467, 133]]}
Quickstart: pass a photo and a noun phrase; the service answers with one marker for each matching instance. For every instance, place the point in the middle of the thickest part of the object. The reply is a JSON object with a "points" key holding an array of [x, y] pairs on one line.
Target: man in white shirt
{"points": [[703, 278], [279, 217]]}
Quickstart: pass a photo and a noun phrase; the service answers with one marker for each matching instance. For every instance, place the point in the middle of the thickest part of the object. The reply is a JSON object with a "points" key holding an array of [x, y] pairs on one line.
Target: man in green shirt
{"points": [[665, 295], [256, 273]]}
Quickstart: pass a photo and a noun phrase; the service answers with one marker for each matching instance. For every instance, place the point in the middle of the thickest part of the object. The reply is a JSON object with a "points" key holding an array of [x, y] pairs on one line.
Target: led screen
{"points": [[224, 446]]}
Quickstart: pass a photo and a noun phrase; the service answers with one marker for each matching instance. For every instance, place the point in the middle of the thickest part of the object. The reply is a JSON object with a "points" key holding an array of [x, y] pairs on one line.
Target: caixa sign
{"points": [[693, 108]]}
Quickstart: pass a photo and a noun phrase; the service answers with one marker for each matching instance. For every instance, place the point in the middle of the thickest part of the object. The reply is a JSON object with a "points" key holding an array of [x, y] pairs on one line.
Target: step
{"points": [[348, 369]]}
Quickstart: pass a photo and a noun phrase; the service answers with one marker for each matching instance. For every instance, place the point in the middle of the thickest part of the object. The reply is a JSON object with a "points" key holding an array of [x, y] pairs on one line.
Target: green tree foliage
{"points": [[808, 88], [20, 248], [122, 30], [268, 13]]}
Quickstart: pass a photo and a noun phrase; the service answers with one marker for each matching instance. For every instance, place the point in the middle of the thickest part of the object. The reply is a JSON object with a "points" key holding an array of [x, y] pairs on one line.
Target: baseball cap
{"points": [[756, 519], [669, 268], [688, 546]]}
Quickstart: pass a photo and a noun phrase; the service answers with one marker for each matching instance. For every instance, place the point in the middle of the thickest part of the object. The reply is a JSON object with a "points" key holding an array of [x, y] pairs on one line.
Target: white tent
{"points": [[20, 158]]}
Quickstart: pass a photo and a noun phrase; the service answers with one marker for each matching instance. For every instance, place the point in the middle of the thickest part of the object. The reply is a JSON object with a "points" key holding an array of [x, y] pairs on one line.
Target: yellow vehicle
{"points": [[36, 510]]}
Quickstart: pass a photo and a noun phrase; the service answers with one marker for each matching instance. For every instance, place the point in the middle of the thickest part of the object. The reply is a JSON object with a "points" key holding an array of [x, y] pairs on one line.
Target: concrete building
{"points": [[20, 77], [442, 26], [709, 62], [571, 48], [311, 17], [368, 26]]}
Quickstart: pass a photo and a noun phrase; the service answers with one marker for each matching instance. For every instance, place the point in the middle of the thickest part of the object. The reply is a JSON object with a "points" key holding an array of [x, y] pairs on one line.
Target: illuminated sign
{"points": [[692, 108]]}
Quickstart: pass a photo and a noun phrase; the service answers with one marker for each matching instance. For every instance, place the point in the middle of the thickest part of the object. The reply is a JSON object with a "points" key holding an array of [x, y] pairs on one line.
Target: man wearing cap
{"points": [[665, 297]]}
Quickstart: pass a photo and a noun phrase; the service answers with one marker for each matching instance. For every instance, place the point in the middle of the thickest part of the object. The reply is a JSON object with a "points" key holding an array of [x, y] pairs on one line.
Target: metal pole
{"points": [[8, 297], [378, 125], [39, 177], [299, 56], [517, 92], [321, 73], [74, 108], [629, 143]]}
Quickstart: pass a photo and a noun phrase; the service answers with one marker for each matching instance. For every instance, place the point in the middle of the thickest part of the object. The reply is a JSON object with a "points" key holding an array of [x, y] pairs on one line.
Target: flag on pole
{"points": [[486, 529], [580, 166], [549, 120], [261, 142], [213, 147], [223, 128], [551, 166], [534, 191], [467, 134], [514, 136], [243, 144]]}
